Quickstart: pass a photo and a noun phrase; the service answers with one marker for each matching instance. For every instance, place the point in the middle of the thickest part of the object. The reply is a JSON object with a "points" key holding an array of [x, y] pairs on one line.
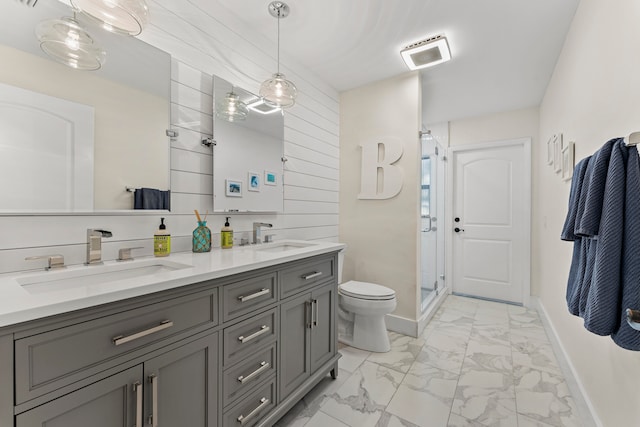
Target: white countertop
{"points": [[20, 303]]}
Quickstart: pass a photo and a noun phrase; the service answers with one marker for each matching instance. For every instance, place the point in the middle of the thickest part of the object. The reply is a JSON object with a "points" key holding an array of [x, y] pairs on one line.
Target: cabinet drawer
{"points": [[56, 358], [249, 295], [243, 377], [251, 409], [249, 336], [300, 276]]}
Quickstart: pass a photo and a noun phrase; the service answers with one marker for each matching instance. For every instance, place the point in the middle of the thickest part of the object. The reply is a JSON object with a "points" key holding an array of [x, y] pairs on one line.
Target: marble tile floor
{"points": [[477, 363]]}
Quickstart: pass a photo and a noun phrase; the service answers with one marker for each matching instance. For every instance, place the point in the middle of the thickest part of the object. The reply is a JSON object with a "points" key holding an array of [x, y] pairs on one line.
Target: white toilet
{"points": [[362, 307]]}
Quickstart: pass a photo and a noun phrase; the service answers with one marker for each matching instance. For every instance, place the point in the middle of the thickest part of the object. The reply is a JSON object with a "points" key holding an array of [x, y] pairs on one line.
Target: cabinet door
{"points": [[323, 328], [111, 402], [295, 319], [182, 385]]}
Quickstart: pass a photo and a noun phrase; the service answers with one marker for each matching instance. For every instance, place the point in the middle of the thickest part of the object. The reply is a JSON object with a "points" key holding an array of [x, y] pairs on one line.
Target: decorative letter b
{"points": [[379, 178]]}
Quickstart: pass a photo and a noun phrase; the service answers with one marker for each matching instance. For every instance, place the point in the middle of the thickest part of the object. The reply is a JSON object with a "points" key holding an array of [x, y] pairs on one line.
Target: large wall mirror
{"points": [[127, 101], [248, 155]]}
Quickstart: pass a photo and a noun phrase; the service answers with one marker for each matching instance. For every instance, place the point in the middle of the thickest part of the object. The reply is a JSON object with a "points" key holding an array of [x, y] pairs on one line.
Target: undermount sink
{"points": [[282, 246], [52, 281]]}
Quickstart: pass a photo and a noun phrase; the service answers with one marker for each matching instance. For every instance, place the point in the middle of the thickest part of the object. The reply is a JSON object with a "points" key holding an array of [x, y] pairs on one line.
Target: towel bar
{"points": [[633, 318]]}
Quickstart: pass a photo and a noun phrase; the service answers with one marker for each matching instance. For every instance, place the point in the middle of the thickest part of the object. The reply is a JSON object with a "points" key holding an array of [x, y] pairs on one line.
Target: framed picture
{"points": [[254, 182], [568, 160], [233, 188], [557, 153], [270, 178], [550, 150]]}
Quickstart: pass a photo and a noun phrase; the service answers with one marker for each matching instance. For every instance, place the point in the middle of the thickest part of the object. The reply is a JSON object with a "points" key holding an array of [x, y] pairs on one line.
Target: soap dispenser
{"points": [[226, 236], [162, 240]]}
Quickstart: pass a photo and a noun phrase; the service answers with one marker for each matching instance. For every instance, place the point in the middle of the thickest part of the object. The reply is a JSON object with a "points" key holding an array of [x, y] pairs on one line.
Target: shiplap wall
{"points": [[203, 43]]}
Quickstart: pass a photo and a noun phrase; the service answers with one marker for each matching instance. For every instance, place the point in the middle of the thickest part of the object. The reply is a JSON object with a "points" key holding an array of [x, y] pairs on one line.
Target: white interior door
{"points": [[491, 214]]}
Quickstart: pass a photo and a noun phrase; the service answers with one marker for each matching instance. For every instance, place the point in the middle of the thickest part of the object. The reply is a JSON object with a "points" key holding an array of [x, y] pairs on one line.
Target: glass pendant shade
{"points": [[126, 17], [231, 108], [68, 43], [279, 91]]}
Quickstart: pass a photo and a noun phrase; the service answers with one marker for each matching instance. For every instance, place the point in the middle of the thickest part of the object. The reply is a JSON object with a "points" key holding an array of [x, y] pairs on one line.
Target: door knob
{"points": [[458, 230], [456, 219]]}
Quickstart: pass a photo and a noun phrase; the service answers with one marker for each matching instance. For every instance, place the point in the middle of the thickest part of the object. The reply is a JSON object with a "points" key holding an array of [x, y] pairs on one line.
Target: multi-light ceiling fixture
{"points": [[278, 90]]}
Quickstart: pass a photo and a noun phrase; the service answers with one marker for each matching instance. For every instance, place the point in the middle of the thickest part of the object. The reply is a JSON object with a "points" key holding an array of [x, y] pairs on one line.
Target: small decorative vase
{"points": [[202, 238]]}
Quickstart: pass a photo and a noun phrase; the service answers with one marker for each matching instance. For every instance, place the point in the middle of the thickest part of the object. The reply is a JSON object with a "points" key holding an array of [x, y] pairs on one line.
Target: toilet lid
{"points": [[365, 290]]}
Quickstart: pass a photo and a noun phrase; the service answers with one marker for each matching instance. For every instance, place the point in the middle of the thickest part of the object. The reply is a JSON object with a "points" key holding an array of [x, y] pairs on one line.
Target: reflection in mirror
{"points": [[128, 103], [247, 158]]}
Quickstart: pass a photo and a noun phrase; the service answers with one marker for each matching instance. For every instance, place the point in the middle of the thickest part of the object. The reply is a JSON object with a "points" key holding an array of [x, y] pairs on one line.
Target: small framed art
{"points": [[557, 153], [550, 148], [254, 182], [270, 178], [568, 160], [233, 188]]}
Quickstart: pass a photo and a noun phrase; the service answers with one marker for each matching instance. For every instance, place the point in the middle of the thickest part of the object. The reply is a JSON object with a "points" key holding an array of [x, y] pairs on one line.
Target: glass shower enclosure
{"points": [[432, 279]]}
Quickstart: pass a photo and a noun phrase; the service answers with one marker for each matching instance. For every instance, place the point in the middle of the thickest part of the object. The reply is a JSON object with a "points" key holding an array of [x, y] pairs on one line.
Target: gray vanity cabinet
{"points": [[175, 388], [111, 402], [236, 351], [181, 386], [308, 336]]}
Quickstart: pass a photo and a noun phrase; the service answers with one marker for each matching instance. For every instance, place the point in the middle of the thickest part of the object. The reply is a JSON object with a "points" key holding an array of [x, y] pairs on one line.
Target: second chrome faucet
{"points": [[94, 245], [257, 228]]}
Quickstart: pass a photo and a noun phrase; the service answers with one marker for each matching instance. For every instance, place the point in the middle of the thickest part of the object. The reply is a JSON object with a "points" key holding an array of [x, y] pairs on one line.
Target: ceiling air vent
{"points": [[28, 2], [426, 53]]}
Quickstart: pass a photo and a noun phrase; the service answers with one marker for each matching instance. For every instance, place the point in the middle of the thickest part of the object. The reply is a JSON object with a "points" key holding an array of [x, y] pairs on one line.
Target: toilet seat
{"points": [[366, 291]]}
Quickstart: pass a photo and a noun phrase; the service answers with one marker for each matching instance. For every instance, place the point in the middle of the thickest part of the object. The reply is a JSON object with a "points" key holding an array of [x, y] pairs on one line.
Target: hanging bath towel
{"points": [[602, 311], [576, 272], [151, 198], [626, 336]]}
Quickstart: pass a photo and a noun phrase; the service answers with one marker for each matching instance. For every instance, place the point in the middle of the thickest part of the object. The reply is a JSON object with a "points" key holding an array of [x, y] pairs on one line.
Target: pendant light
{"points": [[231, 108], [278, 90], [68, 43], [127, 17]]}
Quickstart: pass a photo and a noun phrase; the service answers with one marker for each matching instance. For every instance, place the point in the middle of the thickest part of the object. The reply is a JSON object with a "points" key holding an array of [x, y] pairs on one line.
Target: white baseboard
{"points": [[585, 408], [413, 328], [401, 325]]}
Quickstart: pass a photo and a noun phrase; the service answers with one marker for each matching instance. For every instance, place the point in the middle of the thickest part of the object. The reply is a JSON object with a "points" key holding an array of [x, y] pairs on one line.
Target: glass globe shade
{"points": [[65, 41], [232, 109], [279, 91], [126, 17]]}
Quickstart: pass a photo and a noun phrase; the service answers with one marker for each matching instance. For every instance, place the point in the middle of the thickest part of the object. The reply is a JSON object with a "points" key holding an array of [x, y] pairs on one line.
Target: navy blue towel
{"points": [[151, 198], [590, 221], [568, 231], [626, 336], [602, 311]]}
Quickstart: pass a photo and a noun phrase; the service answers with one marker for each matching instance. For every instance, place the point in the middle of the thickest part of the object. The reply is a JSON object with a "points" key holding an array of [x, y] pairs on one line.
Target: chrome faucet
{"points": [[257, 231], [94, 245]]}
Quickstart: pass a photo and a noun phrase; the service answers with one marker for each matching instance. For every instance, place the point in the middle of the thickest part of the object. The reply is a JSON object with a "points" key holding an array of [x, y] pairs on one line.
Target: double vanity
{"points": [[227, 338]]}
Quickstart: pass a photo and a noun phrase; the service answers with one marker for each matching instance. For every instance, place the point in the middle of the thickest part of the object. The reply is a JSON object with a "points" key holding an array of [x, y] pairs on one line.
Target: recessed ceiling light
{"points": [[426, 53]]}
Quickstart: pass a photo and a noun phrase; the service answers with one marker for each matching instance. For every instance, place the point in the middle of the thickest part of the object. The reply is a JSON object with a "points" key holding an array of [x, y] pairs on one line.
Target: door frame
{"points": [[525, 143]]}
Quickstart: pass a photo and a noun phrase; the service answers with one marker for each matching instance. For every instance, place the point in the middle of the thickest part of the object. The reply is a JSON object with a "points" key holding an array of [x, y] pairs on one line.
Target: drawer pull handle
{"points": [[312, 275], [263, 330], [121, 339], [263, 291], [263, 367], [263, 402], [137, 389]]}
